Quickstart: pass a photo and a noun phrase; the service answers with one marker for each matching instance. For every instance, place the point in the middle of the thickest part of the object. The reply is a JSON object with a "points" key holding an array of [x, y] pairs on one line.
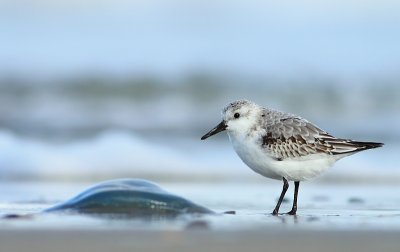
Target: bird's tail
{"points": [[345, 147], [365, 145]]}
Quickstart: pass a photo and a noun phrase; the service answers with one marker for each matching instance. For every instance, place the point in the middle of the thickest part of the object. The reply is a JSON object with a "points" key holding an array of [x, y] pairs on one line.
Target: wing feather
{"points": [[290, 136]]}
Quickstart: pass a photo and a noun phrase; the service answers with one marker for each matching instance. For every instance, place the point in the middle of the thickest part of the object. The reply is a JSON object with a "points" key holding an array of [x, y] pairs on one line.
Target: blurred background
{"points": [[94, 90]]}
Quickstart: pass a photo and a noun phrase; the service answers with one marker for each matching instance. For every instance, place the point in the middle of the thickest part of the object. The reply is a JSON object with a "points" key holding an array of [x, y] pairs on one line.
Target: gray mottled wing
{"points": [[291, 137]]}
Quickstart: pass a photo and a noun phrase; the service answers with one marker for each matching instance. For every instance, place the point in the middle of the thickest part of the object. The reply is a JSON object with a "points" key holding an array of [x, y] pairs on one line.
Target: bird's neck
{"points": [[243, 135]]}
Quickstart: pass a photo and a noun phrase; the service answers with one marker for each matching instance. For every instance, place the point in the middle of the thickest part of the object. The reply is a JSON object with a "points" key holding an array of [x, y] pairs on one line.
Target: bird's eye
{"points": [[236, 115]]}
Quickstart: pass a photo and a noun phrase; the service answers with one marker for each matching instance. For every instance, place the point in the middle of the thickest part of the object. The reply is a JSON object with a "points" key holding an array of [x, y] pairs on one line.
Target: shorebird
{"points": [[281, 145]]}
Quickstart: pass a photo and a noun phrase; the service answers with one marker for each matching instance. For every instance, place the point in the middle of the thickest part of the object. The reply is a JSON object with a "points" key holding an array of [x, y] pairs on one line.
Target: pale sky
{"points": [[156, 36]]}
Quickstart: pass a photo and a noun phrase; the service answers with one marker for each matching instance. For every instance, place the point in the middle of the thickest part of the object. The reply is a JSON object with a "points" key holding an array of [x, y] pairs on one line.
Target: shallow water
{"points": [[343, 207]]}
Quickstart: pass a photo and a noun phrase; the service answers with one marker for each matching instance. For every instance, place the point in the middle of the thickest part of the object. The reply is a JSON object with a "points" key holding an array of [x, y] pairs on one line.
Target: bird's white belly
{"points": [[299, 169]]}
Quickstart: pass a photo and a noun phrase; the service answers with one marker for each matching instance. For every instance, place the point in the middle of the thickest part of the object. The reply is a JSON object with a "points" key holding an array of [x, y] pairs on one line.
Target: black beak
{"points": [[220, 127]]}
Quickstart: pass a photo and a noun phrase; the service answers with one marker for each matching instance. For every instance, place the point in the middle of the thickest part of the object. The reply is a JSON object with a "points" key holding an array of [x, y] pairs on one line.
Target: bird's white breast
{"points": [[295, 169]]}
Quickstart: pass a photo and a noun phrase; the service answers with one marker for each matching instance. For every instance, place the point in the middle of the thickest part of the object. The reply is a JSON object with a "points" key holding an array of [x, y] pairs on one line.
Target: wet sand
{"points": [[175, 241], [330, 218]]}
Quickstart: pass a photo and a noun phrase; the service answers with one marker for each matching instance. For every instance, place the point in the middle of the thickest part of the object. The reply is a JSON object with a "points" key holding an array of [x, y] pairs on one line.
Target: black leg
{"points": [[296, 191], [284, 189]]}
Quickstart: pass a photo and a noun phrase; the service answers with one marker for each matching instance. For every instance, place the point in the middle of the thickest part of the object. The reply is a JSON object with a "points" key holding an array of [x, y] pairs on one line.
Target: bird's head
{"points": [[238, 116]]}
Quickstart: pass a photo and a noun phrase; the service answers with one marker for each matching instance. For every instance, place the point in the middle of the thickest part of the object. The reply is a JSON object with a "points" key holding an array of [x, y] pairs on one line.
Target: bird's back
{"points": [[289, 136]]}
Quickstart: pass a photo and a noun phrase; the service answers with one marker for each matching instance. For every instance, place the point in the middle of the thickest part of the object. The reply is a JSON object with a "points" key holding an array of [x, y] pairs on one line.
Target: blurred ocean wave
{"points": [[110, 155], [89, 129], [83, 107], [116, 154]]}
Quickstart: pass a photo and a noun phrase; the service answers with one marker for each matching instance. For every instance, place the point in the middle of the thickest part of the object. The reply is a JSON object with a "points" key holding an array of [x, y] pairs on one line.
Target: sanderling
{"points": [[282, 146]]}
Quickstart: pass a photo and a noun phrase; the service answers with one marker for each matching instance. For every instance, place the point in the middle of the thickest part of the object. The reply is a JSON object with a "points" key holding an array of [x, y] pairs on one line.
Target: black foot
{"points": [[292, 212], [284, 189]]}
